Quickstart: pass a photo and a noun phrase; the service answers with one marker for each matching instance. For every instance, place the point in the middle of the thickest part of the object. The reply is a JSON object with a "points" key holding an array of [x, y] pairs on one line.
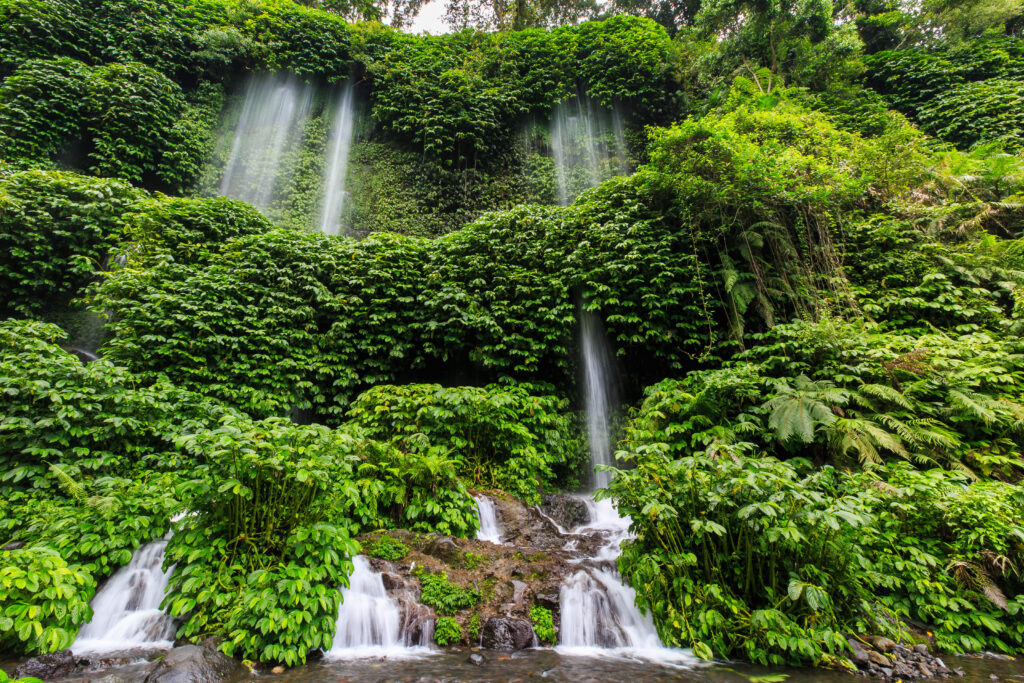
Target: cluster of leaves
{"points": [[125, 121], [447, 631], [387, 548], [443, 595], [774, 561], [543, 624], [500, 437], [42, 600], [58, 230], [965, 93]]}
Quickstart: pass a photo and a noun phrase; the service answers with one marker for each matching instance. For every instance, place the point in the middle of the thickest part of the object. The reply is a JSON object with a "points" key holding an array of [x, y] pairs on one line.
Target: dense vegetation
{"points": [[812, 276]]}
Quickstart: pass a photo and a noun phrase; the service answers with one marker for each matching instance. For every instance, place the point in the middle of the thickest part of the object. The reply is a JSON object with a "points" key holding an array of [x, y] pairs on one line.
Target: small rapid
{"points": [[369, 621], [126, 611], [490, 529]]}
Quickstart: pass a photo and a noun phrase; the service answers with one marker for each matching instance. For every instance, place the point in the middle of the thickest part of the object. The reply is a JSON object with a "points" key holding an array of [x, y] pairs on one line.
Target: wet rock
{"points": [[547, 600], [392, 581], [925, 671], [192, 664], [501, 633], [858, 655], [568, 511], [444, 548], [921, 649], [883, 644], [477, 659], [878, 658], [53, 665], [13, 545], [901, 670]]}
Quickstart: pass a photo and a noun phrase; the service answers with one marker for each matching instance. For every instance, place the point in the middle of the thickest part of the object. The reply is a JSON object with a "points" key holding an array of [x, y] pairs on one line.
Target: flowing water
{"points": [[369, 621], [490, 529], [587, 146], [600, 398], [269, 127], [126, 611], [334, 179]]}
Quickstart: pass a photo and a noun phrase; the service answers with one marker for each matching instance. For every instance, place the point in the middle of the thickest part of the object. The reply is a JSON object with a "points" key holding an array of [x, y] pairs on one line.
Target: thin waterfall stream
{"points": [[587, 146], [336, 172], [490, 528], [269, 127]]}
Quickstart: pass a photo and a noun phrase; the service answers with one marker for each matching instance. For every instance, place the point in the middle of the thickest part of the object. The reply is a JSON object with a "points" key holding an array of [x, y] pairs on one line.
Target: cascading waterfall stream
{"points": [[369, 622], [490, 530], [598, 611], [270, 125], [600, 397], [126, 611], [587, 145], [342, 127]]}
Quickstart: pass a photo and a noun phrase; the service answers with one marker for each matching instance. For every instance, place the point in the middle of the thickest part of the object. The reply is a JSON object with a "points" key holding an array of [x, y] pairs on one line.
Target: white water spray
{"points": [[269, 127], [588, 146], [600, 398], [126, 611], [369, 621], [490, 529], [342, 126]]}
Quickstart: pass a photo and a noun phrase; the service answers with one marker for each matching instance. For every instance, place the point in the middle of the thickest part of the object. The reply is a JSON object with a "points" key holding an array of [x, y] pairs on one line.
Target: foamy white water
{"points": [[126, 611], [369, 621], [490, 529]]}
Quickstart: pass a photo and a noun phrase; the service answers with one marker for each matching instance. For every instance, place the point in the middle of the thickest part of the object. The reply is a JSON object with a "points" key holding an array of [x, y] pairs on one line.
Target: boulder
{"points": [[444, 548], [52, 665], [879, 659], [502, 633], [568, 511], [192, 664], [477, 659], [858, 655], [883, 644]]}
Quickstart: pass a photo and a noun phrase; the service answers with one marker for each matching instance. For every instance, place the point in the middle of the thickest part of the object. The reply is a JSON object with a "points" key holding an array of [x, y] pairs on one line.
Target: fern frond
{"points": [[71, 487]]}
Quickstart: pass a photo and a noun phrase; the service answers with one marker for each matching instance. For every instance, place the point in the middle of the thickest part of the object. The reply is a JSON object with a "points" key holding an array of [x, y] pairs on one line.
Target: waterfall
{"points": [[342, 125], [126, 611], [369, 621], [598, 613], [490, 529], [587, 145], [599, 394], [270, 126]]}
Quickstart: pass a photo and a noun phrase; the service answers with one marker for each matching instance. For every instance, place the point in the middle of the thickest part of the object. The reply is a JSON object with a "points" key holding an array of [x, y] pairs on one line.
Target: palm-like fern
{"points": [[799, 411]]}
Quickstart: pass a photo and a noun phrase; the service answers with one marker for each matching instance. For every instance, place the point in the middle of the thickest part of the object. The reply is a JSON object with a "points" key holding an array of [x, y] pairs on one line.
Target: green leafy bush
{"points": [[387, 548], [543, 624], [443, 595], [43, 601], [501, 437], [447, 631], [260, 560]]}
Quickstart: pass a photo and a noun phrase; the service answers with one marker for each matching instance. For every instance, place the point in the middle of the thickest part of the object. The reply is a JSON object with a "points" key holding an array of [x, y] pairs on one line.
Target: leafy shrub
{"points": [[543, 624], [473, 628], [261, 558], [56, 230], [501, 437], [89, 419], [443, 595], [387, 548], [43, 601], [4, 678], [447, 631]]}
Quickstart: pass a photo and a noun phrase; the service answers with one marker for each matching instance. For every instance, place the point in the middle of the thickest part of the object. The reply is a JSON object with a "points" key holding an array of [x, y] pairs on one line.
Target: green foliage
{"points": [[387, 548], [4, 678], [443, 595], [501, 437], [543, 624], [447, 631], [56, 230], [964, 94], [42, 600], [261, 558], [473, 628], [472, 560]]}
